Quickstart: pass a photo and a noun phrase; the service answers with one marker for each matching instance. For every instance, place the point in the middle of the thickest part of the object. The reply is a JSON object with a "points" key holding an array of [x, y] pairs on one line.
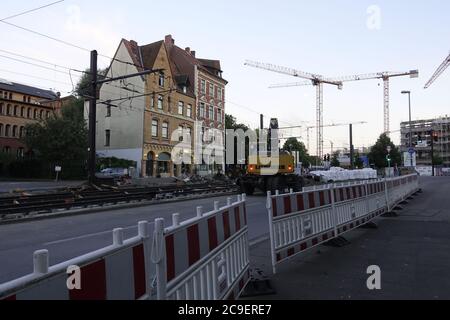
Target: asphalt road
{"points": [[72, 236]]}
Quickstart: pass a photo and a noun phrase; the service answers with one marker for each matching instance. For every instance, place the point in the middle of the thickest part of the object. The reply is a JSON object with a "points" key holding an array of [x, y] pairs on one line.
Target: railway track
{"points": [[22, 205]]}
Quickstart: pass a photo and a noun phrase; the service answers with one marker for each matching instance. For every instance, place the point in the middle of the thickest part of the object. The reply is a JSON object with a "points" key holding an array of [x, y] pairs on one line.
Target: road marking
{"points": [[90, 235]]}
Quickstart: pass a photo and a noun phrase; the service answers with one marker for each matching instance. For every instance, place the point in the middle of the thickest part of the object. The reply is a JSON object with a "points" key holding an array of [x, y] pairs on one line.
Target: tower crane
{"points": [[438, 72], [315, 80], [328, 126], [380, 75]]}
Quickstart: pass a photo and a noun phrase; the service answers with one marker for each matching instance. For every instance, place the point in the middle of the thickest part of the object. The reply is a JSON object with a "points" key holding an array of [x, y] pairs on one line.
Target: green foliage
{"points": [[378, 153], [83, 87], [292, 144], [61, 140], [231, 123], [437, 160], [334, 160]]}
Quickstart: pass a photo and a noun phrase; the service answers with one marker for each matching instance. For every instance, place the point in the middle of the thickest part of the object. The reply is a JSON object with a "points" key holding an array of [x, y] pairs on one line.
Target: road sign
{"points": [[409, 159], [411, 151]]}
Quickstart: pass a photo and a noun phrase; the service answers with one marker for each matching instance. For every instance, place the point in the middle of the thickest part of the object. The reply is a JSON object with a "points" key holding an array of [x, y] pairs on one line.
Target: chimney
{"points": [[169, 40], [193, 53], [133, 43], [188, 50]]}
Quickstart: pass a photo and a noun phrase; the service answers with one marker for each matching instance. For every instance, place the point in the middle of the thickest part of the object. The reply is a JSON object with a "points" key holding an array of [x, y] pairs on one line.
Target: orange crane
{"points": [[315, 80], [380, 75], [438, 72]]}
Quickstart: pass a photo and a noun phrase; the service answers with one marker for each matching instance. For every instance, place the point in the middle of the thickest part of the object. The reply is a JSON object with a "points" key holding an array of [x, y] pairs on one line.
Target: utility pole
{"points": [[352, 166], [92, 117]]}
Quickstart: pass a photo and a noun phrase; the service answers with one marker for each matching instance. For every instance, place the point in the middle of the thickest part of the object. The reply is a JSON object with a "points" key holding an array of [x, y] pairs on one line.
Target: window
{"points": [[219, 93], [219, 115], [154, 128], [189, 111], [165, 130], [48, 114], [189, 132], [211, 90], [7, 150], [1, 108], [29, 113], [41, 114], [5, 95], [7, 130], [22, 132], [8, 110], [29, 99], [20, 153], [14, 131], [180, 133], [35, 114], [161, 79], [16, 111], [202, 110], [180, 107], [211, 112], [10, 96], [160, 102], [24, 99], [1, 129], [108, 111], [107, 138], [203, 87], [22, 112]]}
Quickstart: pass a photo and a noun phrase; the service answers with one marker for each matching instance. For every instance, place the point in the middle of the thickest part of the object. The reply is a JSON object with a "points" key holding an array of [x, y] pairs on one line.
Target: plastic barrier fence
{"points": [[301, 221], [203, 258], [118, 272]]}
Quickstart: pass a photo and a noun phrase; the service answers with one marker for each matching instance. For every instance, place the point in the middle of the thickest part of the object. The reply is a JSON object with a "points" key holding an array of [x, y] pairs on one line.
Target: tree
{"points": [[231, 123], [292, 144], [378, 153], [61, 141], [83, 87], [437, 160], [334, 160]]}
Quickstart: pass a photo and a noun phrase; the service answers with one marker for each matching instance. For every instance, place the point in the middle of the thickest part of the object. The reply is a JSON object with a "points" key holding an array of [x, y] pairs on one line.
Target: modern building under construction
{"points": [[428, 134]]}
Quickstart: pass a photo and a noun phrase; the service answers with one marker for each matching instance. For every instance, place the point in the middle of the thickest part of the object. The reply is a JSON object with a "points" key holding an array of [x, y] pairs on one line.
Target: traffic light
{"points": [[388, 158]]}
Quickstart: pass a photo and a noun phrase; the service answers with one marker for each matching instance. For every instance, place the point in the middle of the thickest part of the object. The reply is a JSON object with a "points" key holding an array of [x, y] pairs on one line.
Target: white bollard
{"points": [[175, 219], [268, 200], [40, 261], [244, 197], [229, 201], [239, 198], [291, 191], [277, 192], [216, 205], [118, 237], [143, 229], [199, 211]]}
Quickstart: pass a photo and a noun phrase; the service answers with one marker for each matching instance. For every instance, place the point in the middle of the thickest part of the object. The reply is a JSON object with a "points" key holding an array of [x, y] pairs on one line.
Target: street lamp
{"points": [[410, 127]]}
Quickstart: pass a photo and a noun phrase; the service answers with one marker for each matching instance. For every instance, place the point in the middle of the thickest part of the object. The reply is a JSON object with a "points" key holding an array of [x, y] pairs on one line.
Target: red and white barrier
{"points": [[118, 272], [300, 221], [204, 258]]}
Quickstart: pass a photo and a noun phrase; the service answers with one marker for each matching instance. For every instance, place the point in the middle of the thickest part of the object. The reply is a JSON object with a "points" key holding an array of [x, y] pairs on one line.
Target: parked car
{"points": [[114, 172]]}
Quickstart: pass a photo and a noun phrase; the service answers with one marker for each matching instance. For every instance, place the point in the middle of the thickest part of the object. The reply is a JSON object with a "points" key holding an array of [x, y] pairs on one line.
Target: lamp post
{"points": [[410, 127]]}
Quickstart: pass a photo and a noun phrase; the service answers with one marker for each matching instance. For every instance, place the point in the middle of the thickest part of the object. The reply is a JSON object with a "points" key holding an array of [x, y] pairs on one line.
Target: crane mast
{"points": [[315, 80]]}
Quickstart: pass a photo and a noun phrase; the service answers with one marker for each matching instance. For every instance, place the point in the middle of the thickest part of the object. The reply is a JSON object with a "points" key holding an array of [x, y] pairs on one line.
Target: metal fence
{"points": [[300, 221]]}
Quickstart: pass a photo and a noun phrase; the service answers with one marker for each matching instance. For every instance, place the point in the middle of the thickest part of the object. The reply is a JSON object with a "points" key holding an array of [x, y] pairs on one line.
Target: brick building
{"points": [[21, 105]]}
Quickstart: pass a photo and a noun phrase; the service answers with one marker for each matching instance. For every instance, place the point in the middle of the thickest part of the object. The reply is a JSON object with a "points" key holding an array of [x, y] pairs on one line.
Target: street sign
{"points": [[411, 151], [58, 169], [409, 159]]}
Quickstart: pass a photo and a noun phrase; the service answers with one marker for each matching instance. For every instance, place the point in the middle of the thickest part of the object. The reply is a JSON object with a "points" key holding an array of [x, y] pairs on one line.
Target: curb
{"points": [[76, 212]]}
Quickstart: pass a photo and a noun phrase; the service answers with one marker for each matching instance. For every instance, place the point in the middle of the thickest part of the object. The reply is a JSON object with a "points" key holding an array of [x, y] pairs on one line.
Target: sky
{"points": [[331, 38]]}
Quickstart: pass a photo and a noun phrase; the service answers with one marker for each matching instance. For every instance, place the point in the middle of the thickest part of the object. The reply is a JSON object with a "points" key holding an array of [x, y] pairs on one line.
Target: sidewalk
{"points": [[412, 250]]}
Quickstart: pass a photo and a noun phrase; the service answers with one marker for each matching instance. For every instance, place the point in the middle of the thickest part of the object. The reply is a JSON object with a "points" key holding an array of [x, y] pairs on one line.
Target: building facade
{"points": [[145, 117], [21, 105], [422, 138]]}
